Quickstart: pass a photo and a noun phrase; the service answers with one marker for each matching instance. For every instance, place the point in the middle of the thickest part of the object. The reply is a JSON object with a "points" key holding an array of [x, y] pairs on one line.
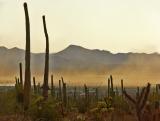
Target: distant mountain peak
{"points": [[3, 48], [75, 47]]}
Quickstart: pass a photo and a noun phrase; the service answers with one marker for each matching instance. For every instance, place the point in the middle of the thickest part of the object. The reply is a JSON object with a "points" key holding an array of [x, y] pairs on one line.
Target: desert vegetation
{"points": [[28, 101]]}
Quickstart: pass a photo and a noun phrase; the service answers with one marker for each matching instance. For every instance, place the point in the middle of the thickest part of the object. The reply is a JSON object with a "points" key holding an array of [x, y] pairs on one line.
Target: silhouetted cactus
{"points": [[140, 102], [19, 91], [52, 87], [27, 83], [20, 73], [75, 94], [97, 94], [137, 94], [157, 90], [60, 91], [64, 93], [111, 78], [112, 93], [86, 90], [39, 88], [16, 80], [108, 87], [46, 69], [122, 87], [34, 86]]}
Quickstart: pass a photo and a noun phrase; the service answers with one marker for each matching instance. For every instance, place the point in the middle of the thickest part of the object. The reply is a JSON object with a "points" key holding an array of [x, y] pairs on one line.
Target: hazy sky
{"points": [[115, 25]]}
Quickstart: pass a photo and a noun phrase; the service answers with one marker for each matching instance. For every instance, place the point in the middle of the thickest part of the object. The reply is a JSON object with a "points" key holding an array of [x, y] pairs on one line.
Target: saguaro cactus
{"points": [[16, 80], [64, 93], [122, 88], [96, 96], [137, 94], [20, 72], [60, 91], [111, 78], [34, 85], [157, 89], [108, 87], [86, 90], [52, 87], [140, 102], [39, 88], [75, 94], [27, 83], [46, 69]]}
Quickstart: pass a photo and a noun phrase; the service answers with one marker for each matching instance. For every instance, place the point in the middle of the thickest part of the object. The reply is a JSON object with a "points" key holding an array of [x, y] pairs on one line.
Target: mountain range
{"points": [[76, 60]]}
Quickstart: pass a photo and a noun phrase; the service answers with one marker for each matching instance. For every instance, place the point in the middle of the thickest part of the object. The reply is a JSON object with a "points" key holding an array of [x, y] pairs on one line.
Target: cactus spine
{"points": [[46, 69], [27, 83]]}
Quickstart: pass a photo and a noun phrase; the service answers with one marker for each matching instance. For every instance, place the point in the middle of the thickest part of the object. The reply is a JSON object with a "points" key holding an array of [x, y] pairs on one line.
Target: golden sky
{"points": [[115, 25]]}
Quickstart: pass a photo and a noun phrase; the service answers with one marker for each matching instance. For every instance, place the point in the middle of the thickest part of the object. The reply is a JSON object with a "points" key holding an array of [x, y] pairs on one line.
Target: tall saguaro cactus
{"points": [[46, 69], [20, 72], [27, 83]]}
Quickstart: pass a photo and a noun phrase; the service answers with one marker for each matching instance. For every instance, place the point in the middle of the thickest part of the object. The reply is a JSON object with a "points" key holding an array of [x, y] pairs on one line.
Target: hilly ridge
{"points": [[76, 59]]}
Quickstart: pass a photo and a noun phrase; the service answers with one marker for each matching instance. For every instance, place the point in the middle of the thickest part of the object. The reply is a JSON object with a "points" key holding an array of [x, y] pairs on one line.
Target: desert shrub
{"points": [[8, 103], [121, 104], [82, 105], [46, 110]]}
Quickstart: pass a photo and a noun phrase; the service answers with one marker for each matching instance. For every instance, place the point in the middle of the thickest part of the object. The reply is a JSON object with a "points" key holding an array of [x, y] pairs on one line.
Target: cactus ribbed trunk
{"points": [[46, 69], [27, 83], [20, 72]]}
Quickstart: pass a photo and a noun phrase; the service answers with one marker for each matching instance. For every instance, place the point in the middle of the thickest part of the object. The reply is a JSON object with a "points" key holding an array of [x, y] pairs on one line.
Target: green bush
{"points": [[46, 110]]}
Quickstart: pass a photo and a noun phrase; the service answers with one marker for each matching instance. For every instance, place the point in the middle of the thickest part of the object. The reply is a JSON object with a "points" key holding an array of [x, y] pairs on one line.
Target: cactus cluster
{"points": [[110, 87], [141, 100]]}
